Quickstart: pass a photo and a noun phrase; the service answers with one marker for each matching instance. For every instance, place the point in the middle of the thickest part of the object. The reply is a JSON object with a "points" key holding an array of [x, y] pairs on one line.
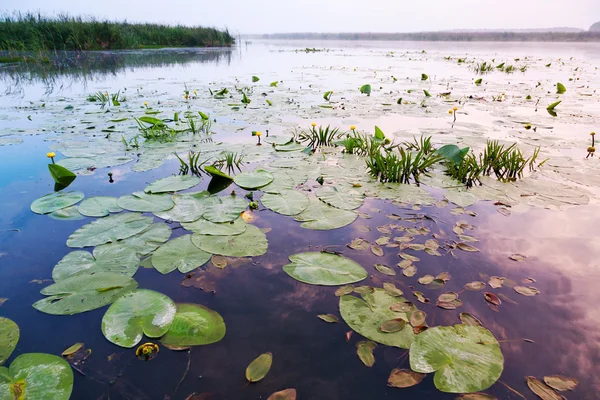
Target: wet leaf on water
{"points": [[219, 261], [466, 247], [392, 290], [432, 252], [517, 257], [403, 307], [347, 289], [449, 305], [409, 257], [542, 390], [188, 208], [220, 209], [416, 246], [9, 337], [409, 271], [456, 354], [404, 239], [421, 297], [458, 230], [382, 241], [426, 280], [561, 383], [384, 269], [492, 298], [469, 319], [320, 216], [363, 228], [345, 199], [526, 291], [115, 259], [259, 368], [72, 349], [194, 325], [444, 276], [457, 211], [404, 264], [319, 268], [364, 349], [403, 378], [392, 325], [206, 227], [328, 318], [447, 297], [287, 202], [432, 244], [466, 238], [56, 201], [172, 184], [495, 282], [287, 394], [377, 250], [475, 286], [417, 318], [364, 289]]}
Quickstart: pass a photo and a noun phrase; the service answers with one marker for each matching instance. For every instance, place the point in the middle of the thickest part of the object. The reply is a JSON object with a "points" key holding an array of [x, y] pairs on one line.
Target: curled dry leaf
{"points": [[469, 319], [403, 378], [526, 291], [543, 391], [467, 247], [561, 383], [328, 318], [517, 257], [492, 298], [287, 394], [421, 297]]}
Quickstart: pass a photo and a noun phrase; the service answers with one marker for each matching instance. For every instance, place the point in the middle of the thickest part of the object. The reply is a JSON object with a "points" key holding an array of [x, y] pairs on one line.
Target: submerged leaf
{"points": [[403, 378], [259, 368], [287, 394]]}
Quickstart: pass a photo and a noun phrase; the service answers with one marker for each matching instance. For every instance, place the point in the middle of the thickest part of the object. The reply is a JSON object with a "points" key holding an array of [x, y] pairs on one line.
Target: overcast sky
{"points": [[272, 16]]}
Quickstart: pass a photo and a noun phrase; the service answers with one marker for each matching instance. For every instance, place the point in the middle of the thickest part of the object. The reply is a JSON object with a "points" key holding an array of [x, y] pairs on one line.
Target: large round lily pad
{"points": [[142, 202], [345, 199], [366, 315], [99, 206], [188, 208], [223, 208], [117, 259], [9, 336], [251, 243], [288, 202], [141, 312], [36, 376], [194, 325], [56, 201], [109, 229], [172, 184], [179, 253], [144, 242], [84, 293], [320, 216], [205, 227], [253, 180], [465, 358], [327, 269]]}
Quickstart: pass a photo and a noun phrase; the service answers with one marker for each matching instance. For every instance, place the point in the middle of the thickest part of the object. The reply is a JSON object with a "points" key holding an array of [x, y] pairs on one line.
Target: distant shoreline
{"points": [[584, 36]]}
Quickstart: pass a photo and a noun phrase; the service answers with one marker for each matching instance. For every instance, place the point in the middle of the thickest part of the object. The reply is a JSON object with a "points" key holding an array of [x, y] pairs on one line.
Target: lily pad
{"points": [[318, 268], [253, 180], [194, 325], [288, 202], [56, 201], [109, 229], [142, 202], [319, 216], [465, 358], [172, 184], [9, 336], [99, 206], [253, 242], [259, 368], [179, 253], [345, 199], [366, 315], [223, 208], [117, 259], [135, 314], [84, 293], [188, 207], [205, 227], [36, 376], [144, 242]]}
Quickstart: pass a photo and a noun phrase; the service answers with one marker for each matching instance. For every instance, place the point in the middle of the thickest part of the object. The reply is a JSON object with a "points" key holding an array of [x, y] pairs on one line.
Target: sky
{"points": [[283, 16]]}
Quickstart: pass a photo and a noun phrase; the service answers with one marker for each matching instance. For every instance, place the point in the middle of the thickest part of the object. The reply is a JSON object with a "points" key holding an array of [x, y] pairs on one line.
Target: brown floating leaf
{"points": [[378, 251], [417, 318], [359, 244], [444, 276], [328, 318], [475, 396], [403, 378], [469, 319], [433, 252], [419, 329], [561, 383], [385, 229], [392, 290], [364, 350], [432, 244], [527, 280], [436, 284], [526, 291], [457, 211], [393, 325], [349, 335], [72, 349], [384, 269], [517, 257], [402, 307], [404, 263], [447, 297], [449, 305], [408, 257], [504, 211], [543, 391], [259, 368], [426, 280], [287, 394], [364, 289], [404, 239], [409, 271], [219, 261], [416, 246], [475, 286], [382, 241], [466, 238], [441, 203], [495, 282], [467, 247], [421, 297], [363, 228], [344, 290], [458, 230], [492, 298]]}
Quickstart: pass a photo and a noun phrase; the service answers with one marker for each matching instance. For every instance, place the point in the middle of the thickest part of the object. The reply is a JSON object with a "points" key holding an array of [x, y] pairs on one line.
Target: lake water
{"points": [[551, 219]]}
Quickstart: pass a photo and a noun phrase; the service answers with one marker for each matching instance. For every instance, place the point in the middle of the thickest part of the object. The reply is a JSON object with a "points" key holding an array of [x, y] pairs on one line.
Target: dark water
{"points": [[265, 310]]}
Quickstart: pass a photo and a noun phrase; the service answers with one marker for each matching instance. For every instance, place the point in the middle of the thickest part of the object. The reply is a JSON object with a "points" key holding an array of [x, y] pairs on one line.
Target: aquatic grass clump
{"points": [[320, 137], [468, 171], [483, 68], [399, 166], [193, 165], [154, 129], [230, 161], [423, 144]]}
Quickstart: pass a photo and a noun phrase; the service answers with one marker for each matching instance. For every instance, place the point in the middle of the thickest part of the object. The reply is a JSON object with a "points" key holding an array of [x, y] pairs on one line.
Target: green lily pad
{"points": [[135, 314], [345, 199], [465, 359], [461, 198], [288, 202], [205, 227], [366, 315], [194, 325], [99, 206], [109, 229], [66, 214], [281, 182], [223, 208], [55, 201], [251, 243], [188, 207], [253, 180], [144, 242], [36, 376], [320, 216], [142, 202], [118, 259], [172, 184], [179, 253], [9, 337], [84, 293], [318, 268]]}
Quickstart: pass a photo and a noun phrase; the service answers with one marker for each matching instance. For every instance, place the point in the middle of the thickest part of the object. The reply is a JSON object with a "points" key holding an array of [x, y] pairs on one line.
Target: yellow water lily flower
{"points": [[352, 128], [147, 351], [455, 109], [450, 111], [593, 133], [146, 103], [51, 154], [186, 96], [258, 133], [313, 124]]}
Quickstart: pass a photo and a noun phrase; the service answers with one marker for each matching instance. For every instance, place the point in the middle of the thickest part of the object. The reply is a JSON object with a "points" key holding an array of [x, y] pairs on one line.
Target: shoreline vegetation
{"points": [[508, 36], [35, 32]]}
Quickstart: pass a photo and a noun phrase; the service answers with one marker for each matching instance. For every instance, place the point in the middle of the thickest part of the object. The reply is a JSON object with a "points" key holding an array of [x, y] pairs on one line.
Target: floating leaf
{"points": [[384, 269], [347, 199], [526, 291], [9, 337], [179, 253], [492, 298], [319, 216], [543, 391], [172, 184], [205, 227], [219, 261], [409, 271], [403, 378], [392, 325], [194, 325], [475, 286], [469, 319], [449, 305], [223, 208], [143, 202], [188, 208], [99, 206], [464, 358], [561, 383], [366, 89], [109, 229], [560, 88], [417, 318], [475, 396], [72, 349], [359, 244], [56, 201], [253, 180], [392, 290], [253, 242], [466, 247], [36, 376], [421, 297], [347, 289], [328, 318], [377, 250], [318, 268], [447, 297], [259, 368], [495, 282], [287, 394], [517, 257], [135, 314], [426, 280], [116, 259], [144, 242], [288, 202], [364, 349]]}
